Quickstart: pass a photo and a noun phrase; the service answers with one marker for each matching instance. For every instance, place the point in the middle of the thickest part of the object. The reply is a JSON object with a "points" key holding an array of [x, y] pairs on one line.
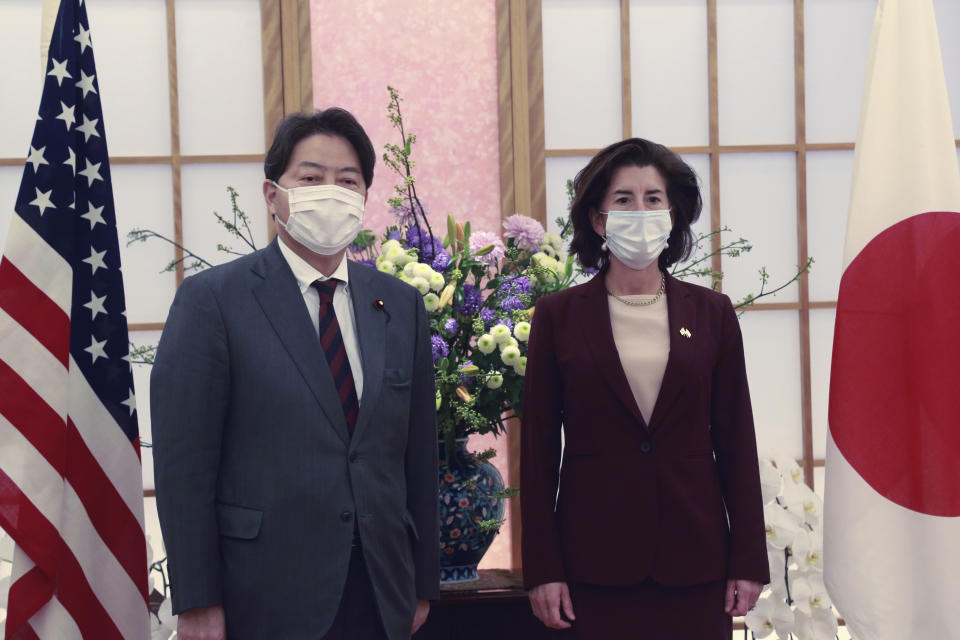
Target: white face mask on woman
{"points": [[637, 238], [324, 218]]}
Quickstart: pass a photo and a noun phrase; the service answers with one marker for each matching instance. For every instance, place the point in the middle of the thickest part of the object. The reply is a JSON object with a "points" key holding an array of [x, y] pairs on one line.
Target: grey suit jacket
{"points": [[259, 482]]}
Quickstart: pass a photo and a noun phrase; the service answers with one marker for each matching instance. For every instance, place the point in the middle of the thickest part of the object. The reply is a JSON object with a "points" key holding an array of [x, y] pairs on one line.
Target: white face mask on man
{"points": [[324, 218], [637, 238]]}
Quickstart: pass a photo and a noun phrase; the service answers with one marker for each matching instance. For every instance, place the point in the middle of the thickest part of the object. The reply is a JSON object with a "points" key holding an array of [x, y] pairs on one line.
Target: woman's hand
{"points": [[547, 601], [741, 596]]}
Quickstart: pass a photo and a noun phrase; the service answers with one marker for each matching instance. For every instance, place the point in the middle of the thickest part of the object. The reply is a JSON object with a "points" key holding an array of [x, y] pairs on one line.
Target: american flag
{"points": [[71, 493]]}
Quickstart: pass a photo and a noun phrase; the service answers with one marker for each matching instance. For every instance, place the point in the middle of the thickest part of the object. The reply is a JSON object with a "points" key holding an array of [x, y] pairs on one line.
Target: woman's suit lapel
{"points": [[682, 322], [598, 336]]}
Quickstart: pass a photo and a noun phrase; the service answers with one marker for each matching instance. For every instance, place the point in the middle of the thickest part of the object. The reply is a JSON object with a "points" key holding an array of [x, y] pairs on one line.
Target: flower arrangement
{"points": [[479, 292], [795, 604]]}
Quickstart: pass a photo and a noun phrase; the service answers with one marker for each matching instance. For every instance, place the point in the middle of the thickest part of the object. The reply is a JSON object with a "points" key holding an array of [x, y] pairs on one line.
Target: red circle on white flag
{"points": [[895, 381]]}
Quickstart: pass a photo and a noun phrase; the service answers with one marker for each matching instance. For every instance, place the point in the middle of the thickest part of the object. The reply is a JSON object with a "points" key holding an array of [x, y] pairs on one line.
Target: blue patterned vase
{"points": [[462, 505]]}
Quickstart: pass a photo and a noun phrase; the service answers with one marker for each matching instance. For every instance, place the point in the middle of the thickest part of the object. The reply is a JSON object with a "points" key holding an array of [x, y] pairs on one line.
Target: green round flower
{"points": [[522, 331], [422, 286], [521, 366], [494, 381], [511, 342], [408, 269], [500, 333], [436, 281], [386, 266], [421, 270], [431, 301], [552, 240], [486, 343], [393, 254], [510, 356], [406, 258]]}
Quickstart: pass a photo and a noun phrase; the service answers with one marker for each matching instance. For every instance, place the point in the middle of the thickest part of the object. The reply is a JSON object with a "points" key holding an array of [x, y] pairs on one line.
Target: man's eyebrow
{"points": [[316, 165]]}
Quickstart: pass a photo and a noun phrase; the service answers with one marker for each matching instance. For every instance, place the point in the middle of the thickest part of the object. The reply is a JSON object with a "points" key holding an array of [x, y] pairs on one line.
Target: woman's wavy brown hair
{"points": [[591, 184]]}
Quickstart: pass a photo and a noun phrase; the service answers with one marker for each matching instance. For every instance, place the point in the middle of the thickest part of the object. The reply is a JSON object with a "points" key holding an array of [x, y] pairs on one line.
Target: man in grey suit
{"points": [[294, 420]]}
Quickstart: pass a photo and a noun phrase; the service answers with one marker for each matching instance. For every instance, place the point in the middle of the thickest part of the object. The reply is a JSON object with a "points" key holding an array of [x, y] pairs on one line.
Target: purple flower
{"points": [[512, 303], [394, 234], [439, 348], [526, 232], [442, 261], [488, 316], [480, 239], [404, 214], [355, 248], [451, 325], [420, 239], [518, 286], [472, 299]]}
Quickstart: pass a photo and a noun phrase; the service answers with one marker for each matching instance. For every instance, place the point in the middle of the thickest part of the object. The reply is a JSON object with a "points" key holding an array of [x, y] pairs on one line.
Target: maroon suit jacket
{"points": [[677, 500]]}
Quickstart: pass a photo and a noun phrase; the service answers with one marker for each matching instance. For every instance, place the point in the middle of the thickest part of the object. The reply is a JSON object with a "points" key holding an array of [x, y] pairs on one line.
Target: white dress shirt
{"points": [[306, 275]]}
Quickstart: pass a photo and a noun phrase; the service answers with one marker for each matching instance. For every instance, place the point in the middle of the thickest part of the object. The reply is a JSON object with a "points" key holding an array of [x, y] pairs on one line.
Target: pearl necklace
{"points": [[644, 303]]}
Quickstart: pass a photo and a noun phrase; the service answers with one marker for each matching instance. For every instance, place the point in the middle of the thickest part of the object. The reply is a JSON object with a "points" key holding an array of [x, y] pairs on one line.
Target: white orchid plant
{"points": [[795, 605]]}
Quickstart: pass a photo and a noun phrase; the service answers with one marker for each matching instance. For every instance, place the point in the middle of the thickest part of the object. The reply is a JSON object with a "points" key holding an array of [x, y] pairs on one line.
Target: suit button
{"points": [[646, 447], [353, 457], [346, 516]]}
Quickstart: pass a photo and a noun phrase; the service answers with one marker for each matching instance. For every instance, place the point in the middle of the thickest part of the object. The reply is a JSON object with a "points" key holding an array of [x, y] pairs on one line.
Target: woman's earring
{"points": [[603, 247]]}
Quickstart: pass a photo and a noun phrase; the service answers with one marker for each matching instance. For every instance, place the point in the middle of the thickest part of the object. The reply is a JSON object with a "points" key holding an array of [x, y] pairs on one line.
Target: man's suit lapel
{"points": [[371, 334], [682, 320], [598, 336], [279, 296]]}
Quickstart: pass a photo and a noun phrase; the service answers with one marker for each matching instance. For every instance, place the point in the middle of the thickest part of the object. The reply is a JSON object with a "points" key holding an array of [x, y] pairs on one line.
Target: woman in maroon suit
{"points": [[657, 530]]}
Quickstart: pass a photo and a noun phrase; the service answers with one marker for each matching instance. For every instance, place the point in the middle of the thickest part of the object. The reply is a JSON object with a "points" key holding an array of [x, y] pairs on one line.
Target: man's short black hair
{"points": [[332, 122]]}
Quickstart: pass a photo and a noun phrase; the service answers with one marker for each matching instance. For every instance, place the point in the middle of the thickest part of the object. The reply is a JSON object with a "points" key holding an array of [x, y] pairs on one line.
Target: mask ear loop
{"points": [[603, 247]]}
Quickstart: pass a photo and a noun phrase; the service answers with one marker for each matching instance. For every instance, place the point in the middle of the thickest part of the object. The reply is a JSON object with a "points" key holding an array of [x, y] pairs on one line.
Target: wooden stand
{"points": [[495, 606]]}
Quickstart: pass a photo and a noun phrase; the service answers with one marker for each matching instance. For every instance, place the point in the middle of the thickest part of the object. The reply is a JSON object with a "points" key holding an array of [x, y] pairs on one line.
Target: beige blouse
{"points": [[642, 336]]}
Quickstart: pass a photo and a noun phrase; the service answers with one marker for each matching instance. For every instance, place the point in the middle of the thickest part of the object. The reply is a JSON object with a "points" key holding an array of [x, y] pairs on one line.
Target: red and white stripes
{"points": [[71, 480]]}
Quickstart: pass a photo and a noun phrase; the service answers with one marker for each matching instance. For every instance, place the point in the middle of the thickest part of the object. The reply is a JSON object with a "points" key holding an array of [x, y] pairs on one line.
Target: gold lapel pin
{"points": [[685, 332], [378, 304]]}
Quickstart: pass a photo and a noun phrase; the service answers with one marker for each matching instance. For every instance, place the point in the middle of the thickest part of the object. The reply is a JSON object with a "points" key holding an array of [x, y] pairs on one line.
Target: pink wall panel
{"points": [[441, 56]]}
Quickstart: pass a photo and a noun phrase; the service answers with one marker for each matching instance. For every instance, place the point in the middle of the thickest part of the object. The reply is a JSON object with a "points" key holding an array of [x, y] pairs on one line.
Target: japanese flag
{"points": [[892, 491]]}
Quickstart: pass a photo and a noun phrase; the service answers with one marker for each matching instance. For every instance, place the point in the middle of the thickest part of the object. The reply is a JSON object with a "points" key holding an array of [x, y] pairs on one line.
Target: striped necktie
{"points": [[331, 340]]}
